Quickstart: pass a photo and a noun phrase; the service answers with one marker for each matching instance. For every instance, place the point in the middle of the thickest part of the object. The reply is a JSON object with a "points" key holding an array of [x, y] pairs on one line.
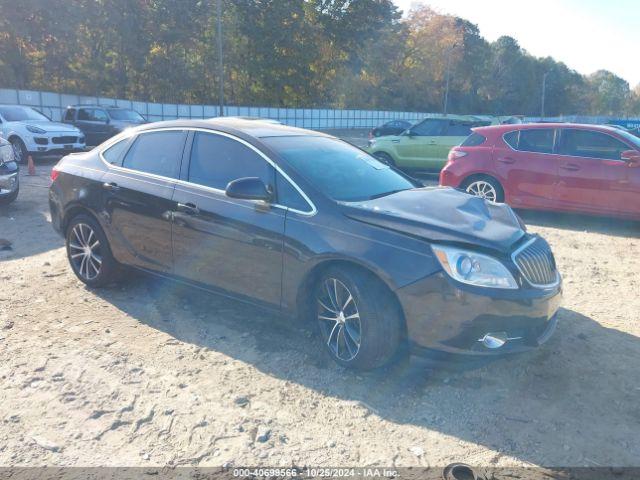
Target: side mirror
{"points": [[632, 157], [249, 188]]}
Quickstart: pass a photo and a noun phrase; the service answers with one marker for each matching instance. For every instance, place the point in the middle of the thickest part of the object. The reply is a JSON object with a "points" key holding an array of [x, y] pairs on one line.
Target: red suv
{"points": [[568, 167]]}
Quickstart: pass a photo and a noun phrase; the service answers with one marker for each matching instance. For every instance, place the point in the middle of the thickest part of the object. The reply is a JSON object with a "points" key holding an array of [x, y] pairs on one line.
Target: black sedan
{"points": [[310, 226], [394, 127]]}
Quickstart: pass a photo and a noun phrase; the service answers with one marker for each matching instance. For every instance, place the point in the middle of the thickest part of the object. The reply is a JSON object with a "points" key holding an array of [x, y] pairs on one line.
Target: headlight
{"points": [[6, 154], [34, 129], [474, 268]]}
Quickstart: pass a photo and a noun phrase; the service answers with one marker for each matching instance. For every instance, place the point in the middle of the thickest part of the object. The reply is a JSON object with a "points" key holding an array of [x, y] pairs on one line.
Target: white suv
{"points": [[30, 132]]}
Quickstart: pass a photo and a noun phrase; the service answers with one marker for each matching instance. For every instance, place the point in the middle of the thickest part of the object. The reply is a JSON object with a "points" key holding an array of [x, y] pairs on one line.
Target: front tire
{"points": [[89, 253], [359, 321], [19, 150]]}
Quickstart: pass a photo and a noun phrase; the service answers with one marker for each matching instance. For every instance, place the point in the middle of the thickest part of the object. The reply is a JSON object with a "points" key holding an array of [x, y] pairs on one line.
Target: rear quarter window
{"points": [[473, 140]]}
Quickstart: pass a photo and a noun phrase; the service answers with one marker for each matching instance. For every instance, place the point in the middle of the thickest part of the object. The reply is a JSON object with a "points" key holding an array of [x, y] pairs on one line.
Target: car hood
{"points": [[442, 214], [49, 126]]}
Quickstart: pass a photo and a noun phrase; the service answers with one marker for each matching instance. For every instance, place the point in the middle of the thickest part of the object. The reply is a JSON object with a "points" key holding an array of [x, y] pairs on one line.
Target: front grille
{"points": [[63, 140], [535, 261]]}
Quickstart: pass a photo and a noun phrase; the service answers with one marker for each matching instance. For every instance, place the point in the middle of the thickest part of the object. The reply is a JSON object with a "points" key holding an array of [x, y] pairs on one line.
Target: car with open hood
{"points": [[32, 133], [314, 228]]}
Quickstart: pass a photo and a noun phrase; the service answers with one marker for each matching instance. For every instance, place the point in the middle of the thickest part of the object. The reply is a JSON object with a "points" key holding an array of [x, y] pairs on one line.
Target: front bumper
{"points": [[8, 178], [56, 143], [446, 317]]}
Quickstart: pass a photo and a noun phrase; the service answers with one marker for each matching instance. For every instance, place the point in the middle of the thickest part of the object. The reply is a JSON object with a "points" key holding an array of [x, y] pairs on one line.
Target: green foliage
{"points": [[334, 53]]}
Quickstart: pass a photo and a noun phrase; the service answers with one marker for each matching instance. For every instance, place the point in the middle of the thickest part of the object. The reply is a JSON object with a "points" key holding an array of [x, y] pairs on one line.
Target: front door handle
{"points": [[111, 186], [189, 208], [572, 167], [507, 160]]}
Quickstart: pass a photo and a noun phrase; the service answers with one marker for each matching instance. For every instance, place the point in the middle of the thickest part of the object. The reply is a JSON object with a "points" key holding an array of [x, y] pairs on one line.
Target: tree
{"points": [[610, 93]]}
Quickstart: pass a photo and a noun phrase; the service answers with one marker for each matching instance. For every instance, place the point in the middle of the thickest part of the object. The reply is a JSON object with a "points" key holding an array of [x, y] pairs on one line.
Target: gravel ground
{"points": [[151, 373]]}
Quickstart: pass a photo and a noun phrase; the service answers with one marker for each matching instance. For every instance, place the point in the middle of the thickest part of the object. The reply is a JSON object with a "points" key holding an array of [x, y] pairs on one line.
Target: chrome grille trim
{"points": [[535, 261]]}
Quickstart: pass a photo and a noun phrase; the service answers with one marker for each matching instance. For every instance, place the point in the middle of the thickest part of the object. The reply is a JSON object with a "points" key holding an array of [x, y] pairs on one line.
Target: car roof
{"points": [[534, 126], [236, 126], [463, 118]]}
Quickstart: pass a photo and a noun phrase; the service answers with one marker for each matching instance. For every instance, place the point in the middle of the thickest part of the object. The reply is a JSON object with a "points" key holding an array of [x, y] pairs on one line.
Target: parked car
{"points": [[99, 123], [426, 144], [9, 181], [394, 127], [31, 132], [308, 225], [567, 167]]}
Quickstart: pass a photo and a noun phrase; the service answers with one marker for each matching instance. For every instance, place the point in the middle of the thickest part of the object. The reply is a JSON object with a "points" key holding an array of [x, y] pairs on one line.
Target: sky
{"points": [[587, 35]]}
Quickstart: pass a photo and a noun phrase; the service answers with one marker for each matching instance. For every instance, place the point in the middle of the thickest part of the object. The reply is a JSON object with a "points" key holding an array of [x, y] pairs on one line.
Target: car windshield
{"points": [[338, 169], [126, 115], [629, 137], [21, 114]]}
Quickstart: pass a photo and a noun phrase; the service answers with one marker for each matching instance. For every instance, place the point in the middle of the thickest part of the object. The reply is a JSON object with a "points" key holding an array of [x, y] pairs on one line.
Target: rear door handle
{"points": [[572, 167], [507, 160], [189, 208], [111, 186]]}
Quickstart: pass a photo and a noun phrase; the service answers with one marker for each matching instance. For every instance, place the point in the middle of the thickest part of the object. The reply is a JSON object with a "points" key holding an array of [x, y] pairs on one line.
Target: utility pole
{"points": [[544, 91], [220, 63], [446, 88]]}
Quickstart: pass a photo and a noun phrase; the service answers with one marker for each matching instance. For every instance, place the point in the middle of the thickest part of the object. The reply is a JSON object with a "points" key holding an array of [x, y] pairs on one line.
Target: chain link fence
{"points": [[54, 104]]}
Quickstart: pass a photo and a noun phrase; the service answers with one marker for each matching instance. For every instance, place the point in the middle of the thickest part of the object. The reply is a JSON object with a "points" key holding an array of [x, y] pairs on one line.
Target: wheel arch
{"points": [[305, 290], [73, 211]]}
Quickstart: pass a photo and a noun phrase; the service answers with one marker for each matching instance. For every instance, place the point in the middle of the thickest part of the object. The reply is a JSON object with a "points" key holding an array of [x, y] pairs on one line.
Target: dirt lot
{"points": [[150, 373]]}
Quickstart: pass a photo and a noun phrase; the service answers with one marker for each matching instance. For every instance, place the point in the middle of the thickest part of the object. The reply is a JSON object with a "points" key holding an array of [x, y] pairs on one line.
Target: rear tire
{"points": [[19, 150], [385, 158], [484, 186], [359, 320], [89, 253]]}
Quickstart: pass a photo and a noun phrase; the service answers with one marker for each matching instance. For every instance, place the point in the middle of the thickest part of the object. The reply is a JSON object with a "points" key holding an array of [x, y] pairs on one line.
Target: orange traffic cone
{"points": [[31, 166]]}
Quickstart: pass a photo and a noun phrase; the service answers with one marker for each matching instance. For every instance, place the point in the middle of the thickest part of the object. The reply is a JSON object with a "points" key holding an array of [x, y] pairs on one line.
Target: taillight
{"points": [[456, 154], [54, 174]]}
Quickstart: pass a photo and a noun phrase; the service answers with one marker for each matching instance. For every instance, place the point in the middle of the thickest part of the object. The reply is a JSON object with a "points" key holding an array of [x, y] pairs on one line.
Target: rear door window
{"points": [[430, 128], [217, 160], [85, 114], [585, 143], [539, 140], [158, 153]]}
